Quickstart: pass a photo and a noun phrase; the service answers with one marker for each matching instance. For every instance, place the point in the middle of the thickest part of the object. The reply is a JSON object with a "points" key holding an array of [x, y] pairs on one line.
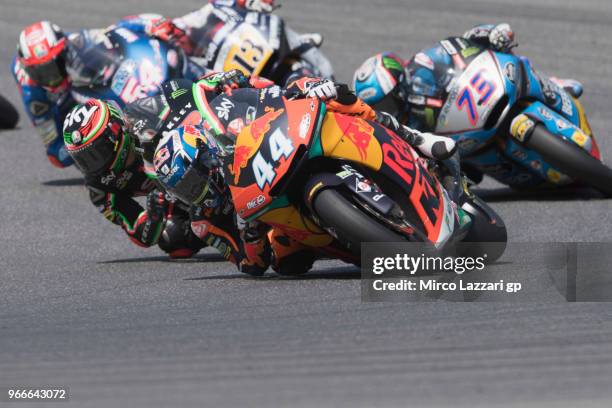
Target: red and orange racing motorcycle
{"points": [[329, 181]]}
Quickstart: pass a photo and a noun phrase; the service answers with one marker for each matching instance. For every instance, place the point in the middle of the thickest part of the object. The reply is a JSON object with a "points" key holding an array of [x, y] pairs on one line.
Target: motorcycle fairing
{"points": [[242, 40], [283, 132], [505, 159], [143, 65], [473, 95], [265, 151], [288, 223], [510, 163], [560, 126], [368, 144], [364, 191], [496, 164], [472, 141], [288, 219], [355, 182], [501, 72], [245, 49], [549, 93]]}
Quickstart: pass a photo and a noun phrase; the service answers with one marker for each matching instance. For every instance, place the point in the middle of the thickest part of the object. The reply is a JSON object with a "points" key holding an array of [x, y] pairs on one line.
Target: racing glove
{"points": [[324, 89], [165, 30], [499, 37], [502, 38], [156, 205], [223, 81], [314, 39], [308, 87], [150, 223], [337, 97]]}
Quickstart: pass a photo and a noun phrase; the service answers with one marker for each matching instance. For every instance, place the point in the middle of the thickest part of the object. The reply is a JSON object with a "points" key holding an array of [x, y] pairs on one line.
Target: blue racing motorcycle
{"points": [[511, 124], [122, 65]]}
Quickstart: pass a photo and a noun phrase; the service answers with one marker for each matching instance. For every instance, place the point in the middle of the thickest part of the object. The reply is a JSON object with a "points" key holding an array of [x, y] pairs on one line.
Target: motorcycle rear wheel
{"points": [[8, 114], [571, 160]]}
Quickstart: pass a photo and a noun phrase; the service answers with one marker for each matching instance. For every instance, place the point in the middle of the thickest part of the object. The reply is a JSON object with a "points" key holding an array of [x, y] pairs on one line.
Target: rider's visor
{"points": [[95, 157], [50, 73], [194, 186]]}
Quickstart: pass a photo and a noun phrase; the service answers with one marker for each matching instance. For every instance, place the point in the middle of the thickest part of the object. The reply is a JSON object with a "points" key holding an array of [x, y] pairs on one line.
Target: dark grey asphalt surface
{"points": [[80, 306]]}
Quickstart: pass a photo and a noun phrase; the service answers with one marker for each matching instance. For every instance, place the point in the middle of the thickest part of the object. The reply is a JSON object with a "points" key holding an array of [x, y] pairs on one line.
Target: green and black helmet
{"points": [[96, 137]]}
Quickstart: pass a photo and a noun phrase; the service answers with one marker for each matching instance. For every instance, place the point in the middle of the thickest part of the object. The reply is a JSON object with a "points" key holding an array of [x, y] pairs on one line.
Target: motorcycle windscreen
{"points": [[472, 96], [123, 65], [91, 62]]}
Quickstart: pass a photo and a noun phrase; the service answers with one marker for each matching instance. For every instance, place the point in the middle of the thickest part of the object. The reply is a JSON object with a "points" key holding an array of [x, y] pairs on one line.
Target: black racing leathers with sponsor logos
{"points": [[161, 222], [215, 223]]}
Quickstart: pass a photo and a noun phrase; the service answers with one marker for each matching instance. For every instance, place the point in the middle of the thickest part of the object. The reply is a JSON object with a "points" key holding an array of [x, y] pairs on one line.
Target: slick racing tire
{"points": [[487, 234], [351, 225], [571, 160], [8, 114]]}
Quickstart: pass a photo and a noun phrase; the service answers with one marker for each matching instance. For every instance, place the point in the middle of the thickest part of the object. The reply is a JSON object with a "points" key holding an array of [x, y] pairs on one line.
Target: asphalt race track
{"points": [[80, 306]]}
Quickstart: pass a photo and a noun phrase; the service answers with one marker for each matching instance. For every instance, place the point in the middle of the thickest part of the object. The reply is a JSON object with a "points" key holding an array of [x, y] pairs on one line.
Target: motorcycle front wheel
{"points": [[571, 160]]}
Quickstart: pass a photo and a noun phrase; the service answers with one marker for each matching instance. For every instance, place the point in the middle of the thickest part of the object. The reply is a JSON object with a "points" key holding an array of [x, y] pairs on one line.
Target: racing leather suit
{"points": [[215, 222], [497, 37], [201, 38], [162, 222]]}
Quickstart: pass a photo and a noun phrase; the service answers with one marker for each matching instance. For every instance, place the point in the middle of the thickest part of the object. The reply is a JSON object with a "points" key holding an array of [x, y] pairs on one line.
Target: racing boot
{"points": [[290, 258], [256, 252], [429, 145], [453, 179]]}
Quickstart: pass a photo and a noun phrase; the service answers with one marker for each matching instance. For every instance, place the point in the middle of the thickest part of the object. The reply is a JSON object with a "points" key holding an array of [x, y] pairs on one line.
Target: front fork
{"points": [[453, 180]]}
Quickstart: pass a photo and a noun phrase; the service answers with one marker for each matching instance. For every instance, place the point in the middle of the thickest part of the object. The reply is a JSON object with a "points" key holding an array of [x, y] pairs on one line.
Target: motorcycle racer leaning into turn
{"points": [[251, 246], [183, 108], [408, 89], [44, 65], [389, 83], [47, 63], [202, 34], [105, 149], [95, 138]]}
